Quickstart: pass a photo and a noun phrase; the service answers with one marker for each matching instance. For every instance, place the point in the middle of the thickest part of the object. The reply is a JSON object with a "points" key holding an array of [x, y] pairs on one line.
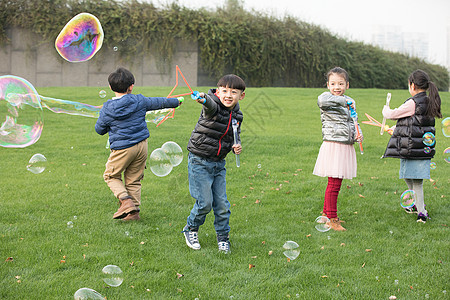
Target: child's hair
{"points": [[339, 71], [232, 81], [120, 80], [422, 81]]}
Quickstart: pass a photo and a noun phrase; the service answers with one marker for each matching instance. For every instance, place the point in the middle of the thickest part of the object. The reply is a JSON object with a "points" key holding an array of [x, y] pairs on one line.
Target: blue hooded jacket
{"points": [[124, 118]]}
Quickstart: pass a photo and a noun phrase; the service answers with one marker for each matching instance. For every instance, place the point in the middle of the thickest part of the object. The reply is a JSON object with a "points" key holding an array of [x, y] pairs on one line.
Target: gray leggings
{"points": [[417, 186]]}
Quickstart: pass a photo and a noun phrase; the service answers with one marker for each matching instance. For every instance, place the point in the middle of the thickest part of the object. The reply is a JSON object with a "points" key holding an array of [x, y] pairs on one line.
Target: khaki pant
{"points": [[131, 162]]}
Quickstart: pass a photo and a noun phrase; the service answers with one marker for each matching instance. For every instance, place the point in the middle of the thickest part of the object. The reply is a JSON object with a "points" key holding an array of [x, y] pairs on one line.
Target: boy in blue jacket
{"points": [[123, 117]]}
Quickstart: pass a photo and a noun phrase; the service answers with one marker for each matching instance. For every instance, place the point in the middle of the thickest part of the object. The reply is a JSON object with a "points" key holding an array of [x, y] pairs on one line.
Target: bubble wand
{"points": [[235, 125], [354, 116], [388, 99]]}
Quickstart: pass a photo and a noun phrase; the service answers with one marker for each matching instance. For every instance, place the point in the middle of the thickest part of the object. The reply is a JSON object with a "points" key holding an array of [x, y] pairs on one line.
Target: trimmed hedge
{"points": [[263, 50]]}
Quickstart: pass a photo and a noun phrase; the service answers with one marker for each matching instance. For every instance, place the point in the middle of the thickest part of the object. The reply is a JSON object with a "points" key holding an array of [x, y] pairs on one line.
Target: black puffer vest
{"points": [[212, 137], [407, 140]]}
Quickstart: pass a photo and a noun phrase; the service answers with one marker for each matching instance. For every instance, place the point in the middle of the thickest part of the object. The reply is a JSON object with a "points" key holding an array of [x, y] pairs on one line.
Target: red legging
{"points": [[331, 195]]}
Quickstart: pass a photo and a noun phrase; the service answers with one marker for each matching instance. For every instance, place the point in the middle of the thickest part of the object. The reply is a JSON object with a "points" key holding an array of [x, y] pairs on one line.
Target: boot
{"points": [[126, 207], [325, 215], [134, 216], [335, 224]]}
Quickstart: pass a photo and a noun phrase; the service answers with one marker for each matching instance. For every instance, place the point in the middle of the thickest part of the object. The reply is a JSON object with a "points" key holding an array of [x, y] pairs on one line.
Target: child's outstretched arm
{"points": [[209, 106], [156, 103]]}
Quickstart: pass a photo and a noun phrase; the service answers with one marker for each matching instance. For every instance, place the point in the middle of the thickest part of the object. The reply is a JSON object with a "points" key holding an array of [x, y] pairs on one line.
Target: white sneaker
{"points": [[191, 238], [224, 247]]}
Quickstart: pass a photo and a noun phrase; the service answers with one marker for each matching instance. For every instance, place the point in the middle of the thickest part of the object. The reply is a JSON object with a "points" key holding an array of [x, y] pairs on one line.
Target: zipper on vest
{"points": [[220, 140]]}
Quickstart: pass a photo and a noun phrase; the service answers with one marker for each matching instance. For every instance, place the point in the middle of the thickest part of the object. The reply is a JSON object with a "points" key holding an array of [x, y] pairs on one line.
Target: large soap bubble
{"points": [[174, 152], [160, 163], [112, 275], [80, 38], [291, 250], [21, 117], [87, 293]]}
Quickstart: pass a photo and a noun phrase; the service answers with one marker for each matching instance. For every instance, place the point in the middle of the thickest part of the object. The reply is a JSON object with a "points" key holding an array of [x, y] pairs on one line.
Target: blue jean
{"points": [[207, 186]]}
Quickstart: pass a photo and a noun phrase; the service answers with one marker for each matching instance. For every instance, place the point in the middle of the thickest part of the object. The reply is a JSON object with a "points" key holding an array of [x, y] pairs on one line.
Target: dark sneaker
{"points": [[191, 238], [411, 210], [224, 247], [422, 217]]}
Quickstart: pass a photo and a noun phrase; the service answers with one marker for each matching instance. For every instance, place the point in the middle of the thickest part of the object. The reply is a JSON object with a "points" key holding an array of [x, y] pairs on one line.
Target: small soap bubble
{"points": [[447, 155], [75, 217], [259, 166], [87, 293], [427, 150], [80, 38], [115, 49], [432, 165], [396, 281], [408, 198], [160, 163], [37, 163], [446, 127], [112, 275], [429, 139], [102, 94], [174, 152], [70, 224], [291, 250], [322, 224]]}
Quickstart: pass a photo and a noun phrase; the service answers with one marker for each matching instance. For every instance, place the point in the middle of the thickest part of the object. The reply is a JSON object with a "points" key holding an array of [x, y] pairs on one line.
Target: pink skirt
{"points": [[336, 160]]}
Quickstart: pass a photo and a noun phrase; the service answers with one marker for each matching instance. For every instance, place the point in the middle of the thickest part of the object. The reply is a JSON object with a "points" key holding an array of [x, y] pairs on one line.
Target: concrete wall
{"points": [[39, 63]]}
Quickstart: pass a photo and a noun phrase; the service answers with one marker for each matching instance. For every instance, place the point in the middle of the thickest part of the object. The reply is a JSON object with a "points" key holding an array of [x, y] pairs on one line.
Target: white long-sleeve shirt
{"points": [[407, 109]]}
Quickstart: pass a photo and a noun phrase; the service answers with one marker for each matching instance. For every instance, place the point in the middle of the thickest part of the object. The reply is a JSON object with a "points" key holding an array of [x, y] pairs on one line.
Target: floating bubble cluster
{"points": [[37, 163], [112, 275], [446, 127], [429, 139], [408, 198], [322, 224], [291, 250], [87, 293], [162, 160], [21, 118], [80, 38]]}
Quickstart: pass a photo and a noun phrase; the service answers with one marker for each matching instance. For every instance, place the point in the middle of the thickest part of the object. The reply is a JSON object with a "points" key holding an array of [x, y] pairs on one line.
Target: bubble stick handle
{"points": [[235, 125], [388, 100], [357, 131]]}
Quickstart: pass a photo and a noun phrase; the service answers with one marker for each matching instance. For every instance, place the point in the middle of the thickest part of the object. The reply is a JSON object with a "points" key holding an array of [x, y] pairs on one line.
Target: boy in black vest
{"points": [[210, 142]]}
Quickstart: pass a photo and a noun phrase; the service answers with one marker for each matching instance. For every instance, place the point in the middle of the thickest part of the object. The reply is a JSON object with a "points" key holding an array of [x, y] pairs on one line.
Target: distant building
{"points": [[392, 38]]}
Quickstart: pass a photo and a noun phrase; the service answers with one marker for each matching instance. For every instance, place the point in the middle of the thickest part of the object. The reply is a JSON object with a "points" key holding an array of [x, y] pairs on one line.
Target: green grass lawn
{"points": [[274, 197]]}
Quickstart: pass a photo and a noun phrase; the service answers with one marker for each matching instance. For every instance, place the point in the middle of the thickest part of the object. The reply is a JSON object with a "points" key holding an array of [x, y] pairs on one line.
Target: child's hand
{"points": [[181, 99], [359, 137], [237, 149], [202, 98]]}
